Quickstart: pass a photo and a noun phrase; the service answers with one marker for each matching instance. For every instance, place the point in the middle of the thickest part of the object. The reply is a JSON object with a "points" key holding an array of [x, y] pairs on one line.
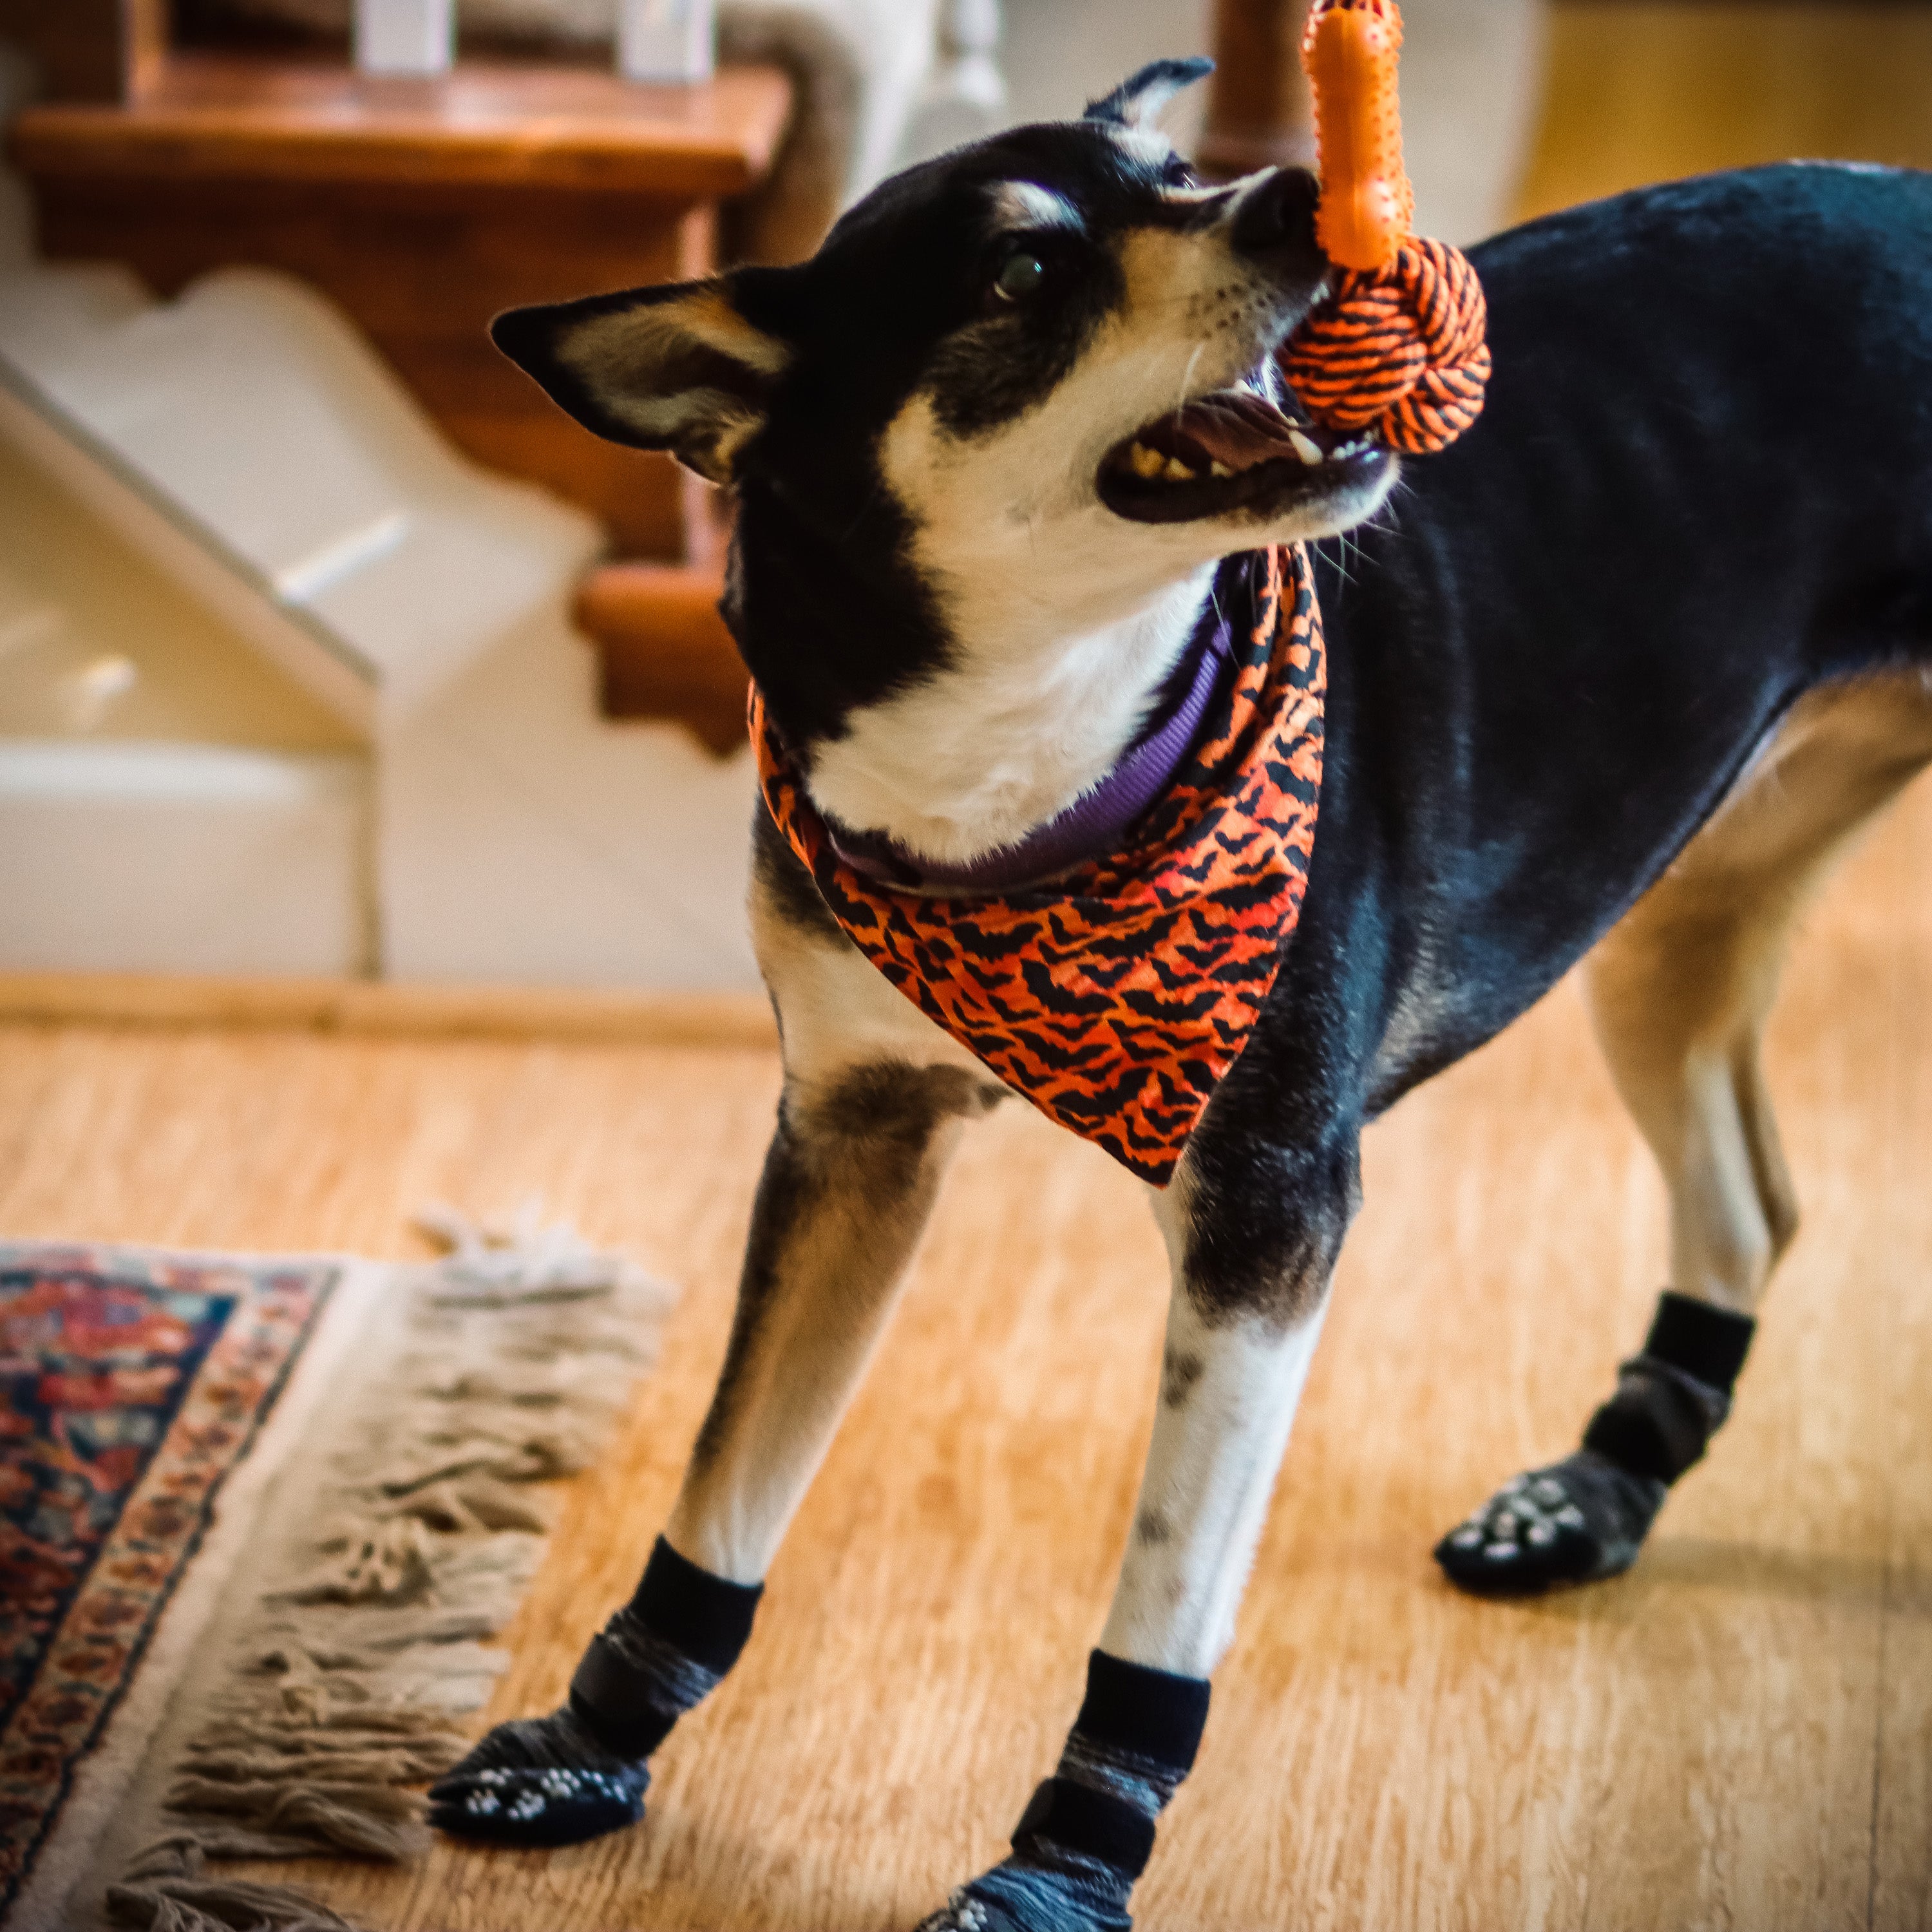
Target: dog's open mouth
{"points": [[1233, 450]]}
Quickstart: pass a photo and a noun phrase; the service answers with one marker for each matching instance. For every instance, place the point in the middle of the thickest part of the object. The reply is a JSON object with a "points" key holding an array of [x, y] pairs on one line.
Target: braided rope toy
{"points": [[1397, 348]]}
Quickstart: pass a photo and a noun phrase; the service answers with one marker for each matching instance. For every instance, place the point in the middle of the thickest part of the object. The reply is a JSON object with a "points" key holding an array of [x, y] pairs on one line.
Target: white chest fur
{"points": [[1020, 726]]}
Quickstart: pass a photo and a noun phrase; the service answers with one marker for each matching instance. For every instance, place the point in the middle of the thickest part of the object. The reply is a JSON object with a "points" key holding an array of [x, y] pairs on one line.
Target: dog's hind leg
{"points": [[874, 1098], [1680, 991], [1252, 1233]]}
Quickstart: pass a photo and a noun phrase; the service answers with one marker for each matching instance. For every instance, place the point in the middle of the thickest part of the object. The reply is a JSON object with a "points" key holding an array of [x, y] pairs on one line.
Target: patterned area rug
{"points": [[262, 1522], [131, 1386]]}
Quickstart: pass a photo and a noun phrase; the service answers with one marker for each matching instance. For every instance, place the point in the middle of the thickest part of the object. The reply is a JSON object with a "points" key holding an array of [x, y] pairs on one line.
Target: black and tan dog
{"points": [[1615, 676]]}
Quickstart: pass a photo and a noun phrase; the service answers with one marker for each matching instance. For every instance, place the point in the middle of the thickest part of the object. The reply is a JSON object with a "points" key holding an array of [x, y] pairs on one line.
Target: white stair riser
{"points": [[181, 859]]}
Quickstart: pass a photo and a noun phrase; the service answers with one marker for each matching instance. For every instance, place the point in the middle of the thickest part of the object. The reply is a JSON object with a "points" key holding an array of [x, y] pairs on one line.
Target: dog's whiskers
{"points": [[1187, 377], [1340, 563]]}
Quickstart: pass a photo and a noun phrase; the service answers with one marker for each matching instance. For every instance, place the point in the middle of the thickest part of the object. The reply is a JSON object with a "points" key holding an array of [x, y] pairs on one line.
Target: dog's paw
{"points": [[1072, 1894], [1580, 1520], [539, 1781]]}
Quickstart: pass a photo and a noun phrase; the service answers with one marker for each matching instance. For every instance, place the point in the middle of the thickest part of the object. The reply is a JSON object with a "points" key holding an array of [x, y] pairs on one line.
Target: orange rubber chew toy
{"points": [[1397, 347], [1368, 208]]}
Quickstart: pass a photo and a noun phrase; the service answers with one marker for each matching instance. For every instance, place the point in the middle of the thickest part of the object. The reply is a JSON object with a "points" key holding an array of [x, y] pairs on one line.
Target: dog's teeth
{"points": [[1305, 447], [1178, 472], [1218, 469], [1145, 462]]}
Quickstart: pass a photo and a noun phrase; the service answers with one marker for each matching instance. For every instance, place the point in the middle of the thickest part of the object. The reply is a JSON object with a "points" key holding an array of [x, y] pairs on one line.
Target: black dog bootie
{"points": [[1578, 1520], [1069, 1895], [1586, 1517], [539, 1781], [1088, 1834], [581, 1771]]}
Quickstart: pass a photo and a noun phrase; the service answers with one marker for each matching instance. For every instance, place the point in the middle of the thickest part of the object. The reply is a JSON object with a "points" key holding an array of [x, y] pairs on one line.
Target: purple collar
{"points": [[1094, 823]]}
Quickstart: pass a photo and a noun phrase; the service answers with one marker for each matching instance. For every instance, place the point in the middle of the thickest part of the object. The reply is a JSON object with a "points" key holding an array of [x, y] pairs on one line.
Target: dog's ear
{"points": [[677, 367], [1141, 96]]}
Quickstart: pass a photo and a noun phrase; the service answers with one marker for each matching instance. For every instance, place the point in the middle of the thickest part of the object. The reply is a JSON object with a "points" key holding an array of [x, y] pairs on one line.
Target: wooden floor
{"points": [[1738, 1735]]}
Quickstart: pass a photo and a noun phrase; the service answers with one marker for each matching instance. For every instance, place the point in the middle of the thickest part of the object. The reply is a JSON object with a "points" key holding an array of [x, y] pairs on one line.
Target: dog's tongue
{"points": [[1236, 428]]}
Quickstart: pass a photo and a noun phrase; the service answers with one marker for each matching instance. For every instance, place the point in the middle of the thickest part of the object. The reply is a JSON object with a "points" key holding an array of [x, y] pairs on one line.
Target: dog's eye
{"points": [[1019, 275]]}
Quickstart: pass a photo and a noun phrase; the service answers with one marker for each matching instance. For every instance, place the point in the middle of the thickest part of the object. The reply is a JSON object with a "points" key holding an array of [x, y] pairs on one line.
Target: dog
{"points": [[1611, 680]]}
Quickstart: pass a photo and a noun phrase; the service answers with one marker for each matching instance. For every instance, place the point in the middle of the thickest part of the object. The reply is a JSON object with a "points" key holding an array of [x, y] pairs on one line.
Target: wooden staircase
{"points": [[421, 207]]}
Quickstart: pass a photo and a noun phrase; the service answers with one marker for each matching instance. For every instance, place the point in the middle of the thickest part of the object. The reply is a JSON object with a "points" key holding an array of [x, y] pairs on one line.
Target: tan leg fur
{"points": [[1681, 988]]}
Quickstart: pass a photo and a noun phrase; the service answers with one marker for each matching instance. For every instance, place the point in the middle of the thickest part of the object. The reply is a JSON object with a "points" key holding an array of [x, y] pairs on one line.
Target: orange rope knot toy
{"points": [[1397, 347]]}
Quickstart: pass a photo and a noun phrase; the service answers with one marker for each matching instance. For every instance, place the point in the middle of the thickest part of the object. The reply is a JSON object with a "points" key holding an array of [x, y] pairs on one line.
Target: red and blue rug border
{"points": [[93, 1655]]}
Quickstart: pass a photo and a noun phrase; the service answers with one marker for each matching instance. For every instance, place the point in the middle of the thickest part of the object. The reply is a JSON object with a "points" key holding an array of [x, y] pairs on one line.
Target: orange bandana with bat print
{"points": [[1116, 995]]}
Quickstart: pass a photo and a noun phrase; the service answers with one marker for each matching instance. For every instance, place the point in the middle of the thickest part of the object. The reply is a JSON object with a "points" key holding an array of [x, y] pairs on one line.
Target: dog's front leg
{"points": [[1253, 1241], [848, 1185], [862, 1138]]}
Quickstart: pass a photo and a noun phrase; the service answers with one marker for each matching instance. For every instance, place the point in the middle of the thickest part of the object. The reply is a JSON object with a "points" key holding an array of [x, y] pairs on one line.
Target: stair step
{"points": [[197, 115], [421, 207], [663, 650]]}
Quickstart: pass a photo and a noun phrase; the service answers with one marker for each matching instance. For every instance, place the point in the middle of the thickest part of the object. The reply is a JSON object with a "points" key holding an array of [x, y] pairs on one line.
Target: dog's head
{"points": [[1029, 381]]}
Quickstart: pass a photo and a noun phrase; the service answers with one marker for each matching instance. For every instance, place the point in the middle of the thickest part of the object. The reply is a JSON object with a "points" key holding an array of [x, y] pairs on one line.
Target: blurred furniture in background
{"points": [[420, 206], [1472, 75], [1259, 113], [860, 70]]}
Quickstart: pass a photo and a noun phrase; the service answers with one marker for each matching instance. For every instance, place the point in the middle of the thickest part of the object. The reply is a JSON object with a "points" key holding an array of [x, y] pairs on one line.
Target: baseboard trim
{"points": [[741, 1021]]}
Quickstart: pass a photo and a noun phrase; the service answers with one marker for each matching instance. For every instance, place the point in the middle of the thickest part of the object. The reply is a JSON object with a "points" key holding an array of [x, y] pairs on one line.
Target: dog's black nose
{"points": [[1278, 214]]}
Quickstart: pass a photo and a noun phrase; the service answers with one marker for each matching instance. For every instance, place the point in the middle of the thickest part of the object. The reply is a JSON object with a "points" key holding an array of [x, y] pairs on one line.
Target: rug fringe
{"points": [[167, 1889], [353, 1675]]}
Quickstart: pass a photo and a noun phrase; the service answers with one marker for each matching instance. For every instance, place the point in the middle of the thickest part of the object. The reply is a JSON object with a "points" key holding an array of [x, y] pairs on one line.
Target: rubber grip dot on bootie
{"points": [[539, 1781], [1578, 1521], [545, 1808]]}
